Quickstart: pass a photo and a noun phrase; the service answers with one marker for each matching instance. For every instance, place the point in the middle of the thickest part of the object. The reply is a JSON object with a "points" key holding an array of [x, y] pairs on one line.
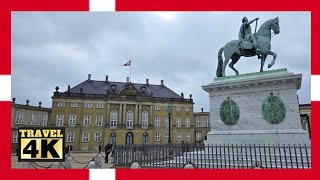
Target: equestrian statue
{"points": [[248, 45]]}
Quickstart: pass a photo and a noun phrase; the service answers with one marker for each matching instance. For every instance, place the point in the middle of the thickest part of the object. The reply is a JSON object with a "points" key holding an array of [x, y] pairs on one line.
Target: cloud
{"points": [[52, 49]]}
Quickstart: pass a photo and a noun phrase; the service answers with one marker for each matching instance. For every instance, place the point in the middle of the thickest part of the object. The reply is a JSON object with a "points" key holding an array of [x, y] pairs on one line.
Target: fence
{"points": [[215, 156]]}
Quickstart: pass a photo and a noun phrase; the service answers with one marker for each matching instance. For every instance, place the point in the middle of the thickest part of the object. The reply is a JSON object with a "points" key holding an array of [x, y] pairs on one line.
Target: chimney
{"points": [[182, 95], [190, 96], [162, 83], [201, 109], [107, 78], [27, 101], [13, 100], [40, 104], [128, 80], [89, 77], [147, 81], [68, 88]]}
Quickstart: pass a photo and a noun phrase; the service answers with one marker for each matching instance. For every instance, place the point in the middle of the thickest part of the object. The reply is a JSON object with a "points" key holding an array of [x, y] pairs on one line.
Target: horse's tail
{"points": [[220, 62]]}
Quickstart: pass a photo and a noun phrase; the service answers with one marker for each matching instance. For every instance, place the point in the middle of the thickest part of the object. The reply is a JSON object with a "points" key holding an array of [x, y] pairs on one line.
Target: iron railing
{"points": [[231, 156]]}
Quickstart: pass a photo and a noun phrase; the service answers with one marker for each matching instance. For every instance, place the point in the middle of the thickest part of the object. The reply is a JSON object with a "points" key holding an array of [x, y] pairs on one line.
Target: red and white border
{"points": [[7, 6]]}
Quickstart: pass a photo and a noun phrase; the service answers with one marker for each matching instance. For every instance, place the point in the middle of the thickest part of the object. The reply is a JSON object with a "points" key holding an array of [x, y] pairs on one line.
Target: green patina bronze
{"points": [[229, 112], [273, 109]]}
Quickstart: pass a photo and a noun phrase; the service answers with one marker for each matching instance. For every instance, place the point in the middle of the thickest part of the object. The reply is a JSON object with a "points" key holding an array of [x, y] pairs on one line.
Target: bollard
{"points": [[92, 165], [26, 165], [56, 165], [188, 166], [135, 165], [99, 160], [68, 162]]}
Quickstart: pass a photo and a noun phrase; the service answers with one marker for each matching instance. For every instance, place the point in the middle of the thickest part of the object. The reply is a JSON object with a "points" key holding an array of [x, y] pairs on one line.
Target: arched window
{"points": [[129, 138], [129, 119], [113, 119], [112, 138], [145, 119]]}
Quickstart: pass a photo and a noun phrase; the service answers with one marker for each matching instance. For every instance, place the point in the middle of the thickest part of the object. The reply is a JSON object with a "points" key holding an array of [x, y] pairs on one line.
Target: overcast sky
{"points": [[60, 49]]}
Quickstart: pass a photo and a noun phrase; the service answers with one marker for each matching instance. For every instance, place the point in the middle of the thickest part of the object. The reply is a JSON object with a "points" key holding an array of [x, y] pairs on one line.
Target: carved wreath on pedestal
{"points": [[273, 109], [229, 112]]}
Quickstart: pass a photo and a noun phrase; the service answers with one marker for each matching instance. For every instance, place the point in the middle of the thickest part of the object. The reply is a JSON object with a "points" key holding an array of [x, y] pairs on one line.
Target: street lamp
{"points": [[169, 111]]}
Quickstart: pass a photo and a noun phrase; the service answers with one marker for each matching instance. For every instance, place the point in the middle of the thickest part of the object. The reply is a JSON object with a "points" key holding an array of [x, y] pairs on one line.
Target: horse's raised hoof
{"points": [[269, 65]]}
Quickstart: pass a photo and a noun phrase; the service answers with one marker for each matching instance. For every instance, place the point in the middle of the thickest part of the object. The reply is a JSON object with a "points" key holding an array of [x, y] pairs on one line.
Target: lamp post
{"points": [[169, 111]]}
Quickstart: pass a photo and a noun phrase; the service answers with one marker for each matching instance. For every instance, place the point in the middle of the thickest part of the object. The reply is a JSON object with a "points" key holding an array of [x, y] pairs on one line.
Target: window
{"points": [[197, 122], [188, 137], [32, 119], [43, 119], [15, 137], [19, 116], [166, 122], [166, 136], [179, 136], [99, 106], [59, 119], [187, 122], [72, 120], [70, 137], [129, 138], [61, 104], [157, 121], [144, 119], [85, 137], [87, 105], [97, 137], [145, 138], [186, 108], [178, 122], [112, 138], [87, 120], [157, 136], [157, 108], [113, 119], [178, 108], [129, 119], [74, 104], [198, 136], [98, 120], [207, 122]]}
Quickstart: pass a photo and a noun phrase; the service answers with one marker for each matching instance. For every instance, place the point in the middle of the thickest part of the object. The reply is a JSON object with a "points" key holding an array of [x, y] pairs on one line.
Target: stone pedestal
{"points": [[256, 108]]}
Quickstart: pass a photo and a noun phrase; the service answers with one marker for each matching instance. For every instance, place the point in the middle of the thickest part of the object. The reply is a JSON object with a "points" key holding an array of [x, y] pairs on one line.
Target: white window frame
{"points": [[129, 119], [61, 104], [178, 121], [179, 137], [186, 108], [19, 117], [32, 119], [59, 119], [70, 137], [187, 122], [157, 108], [87, 120], [207, 122], [97, 136], [178, 108], [166, 136], [43, 119], [198, 122], [157, 121], [88, 105], [85, 136], [113, 119], [73, 104], [157, 137], [99, 120], [188, 136], [72, 120], [198, 136], [15, 137], [99, 106], [144, 121]]}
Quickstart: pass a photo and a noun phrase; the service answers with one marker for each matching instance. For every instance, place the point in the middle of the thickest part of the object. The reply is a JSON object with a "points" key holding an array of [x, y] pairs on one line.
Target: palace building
{"points": [[99, 112]]}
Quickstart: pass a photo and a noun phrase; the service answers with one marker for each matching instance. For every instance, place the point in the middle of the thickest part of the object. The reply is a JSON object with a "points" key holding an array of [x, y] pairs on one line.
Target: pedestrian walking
{"points": [[107, 149]]}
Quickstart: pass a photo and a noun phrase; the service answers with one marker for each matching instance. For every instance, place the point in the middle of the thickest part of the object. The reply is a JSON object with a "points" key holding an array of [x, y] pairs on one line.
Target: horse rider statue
{"points": [[245, 34]]}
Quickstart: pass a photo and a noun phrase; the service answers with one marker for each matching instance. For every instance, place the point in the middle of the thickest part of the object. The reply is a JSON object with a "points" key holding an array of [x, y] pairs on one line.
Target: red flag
{"points": [[127, 64]]}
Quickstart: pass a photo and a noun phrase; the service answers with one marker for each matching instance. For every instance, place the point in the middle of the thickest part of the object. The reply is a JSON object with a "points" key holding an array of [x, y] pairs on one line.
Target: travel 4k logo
{"points": [[41, 144]]}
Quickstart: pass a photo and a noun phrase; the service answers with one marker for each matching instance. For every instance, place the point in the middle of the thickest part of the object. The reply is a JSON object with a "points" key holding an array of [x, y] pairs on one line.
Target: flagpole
{"points": [[130, 71]]}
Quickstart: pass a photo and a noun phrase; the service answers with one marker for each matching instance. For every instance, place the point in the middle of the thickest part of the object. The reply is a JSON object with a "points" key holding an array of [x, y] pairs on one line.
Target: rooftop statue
{"points": [[248, 45]]}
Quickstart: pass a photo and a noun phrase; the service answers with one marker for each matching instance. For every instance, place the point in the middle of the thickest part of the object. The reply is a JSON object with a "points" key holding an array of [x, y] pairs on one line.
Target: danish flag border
{"points": [[8, 6]]}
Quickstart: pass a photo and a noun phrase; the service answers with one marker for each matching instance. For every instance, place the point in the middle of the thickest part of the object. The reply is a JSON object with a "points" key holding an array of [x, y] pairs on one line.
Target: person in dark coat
{"points": [[107, 149], [99, 148]]}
